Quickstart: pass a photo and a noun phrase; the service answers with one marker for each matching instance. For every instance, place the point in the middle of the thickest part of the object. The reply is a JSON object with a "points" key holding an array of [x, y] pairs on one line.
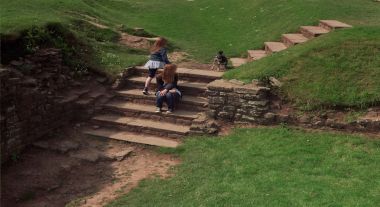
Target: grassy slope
{"points": [[199, 27], [203, 27], [339, 69], [268, 167]]}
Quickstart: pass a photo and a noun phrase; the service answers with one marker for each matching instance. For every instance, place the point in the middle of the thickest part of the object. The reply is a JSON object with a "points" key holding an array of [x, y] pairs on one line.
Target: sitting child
{"points": [[167, 88], [220, 62]]}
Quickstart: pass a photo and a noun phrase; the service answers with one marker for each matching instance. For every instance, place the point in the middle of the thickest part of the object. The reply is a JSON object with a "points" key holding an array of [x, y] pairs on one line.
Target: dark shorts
{"points": [[152, 72]]}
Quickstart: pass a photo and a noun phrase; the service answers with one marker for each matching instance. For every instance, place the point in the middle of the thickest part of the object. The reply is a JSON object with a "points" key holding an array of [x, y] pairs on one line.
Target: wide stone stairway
{"points": [[130, 116]]}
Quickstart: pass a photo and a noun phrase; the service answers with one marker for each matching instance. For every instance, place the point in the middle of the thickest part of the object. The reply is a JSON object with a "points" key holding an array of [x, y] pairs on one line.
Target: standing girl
{"points": [[158, 59]]}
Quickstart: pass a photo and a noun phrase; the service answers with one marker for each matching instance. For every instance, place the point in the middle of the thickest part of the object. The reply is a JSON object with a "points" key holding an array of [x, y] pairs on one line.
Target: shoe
{"points": [[158, 110], [169, 111], [145, 91]]}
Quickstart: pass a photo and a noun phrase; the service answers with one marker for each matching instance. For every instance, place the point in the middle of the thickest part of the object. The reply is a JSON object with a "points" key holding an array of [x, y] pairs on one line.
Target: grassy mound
{"points": [[339, 69], [84, 46], [268, 167]]}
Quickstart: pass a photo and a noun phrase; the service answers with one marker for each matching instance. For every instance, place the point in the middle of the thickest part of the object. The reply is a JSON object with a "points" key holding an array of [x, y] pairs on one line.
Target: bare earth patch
{"points": [[134, 41], [72, 168]]}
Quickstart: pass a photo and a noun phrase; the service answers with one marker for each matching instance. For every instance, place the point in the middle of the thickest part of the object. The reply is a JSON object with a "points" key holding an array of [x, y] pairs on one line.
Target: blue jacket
{"points": [[168, 86], [160, 55]]}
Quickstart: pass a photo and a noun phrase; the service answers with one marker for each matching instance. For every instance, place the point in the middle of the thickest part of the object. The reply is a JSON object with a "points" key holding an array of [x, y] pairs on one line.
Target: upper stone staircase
{"points": [[288, 40], [130, 116]]}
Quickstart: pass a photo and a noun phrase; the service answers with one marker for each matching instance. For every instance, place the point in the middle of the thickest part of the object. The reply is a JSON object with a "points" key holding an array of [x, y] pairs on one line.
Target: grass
{"points": [[338, 70], [341, 69], [199, 27], [268, 167]]}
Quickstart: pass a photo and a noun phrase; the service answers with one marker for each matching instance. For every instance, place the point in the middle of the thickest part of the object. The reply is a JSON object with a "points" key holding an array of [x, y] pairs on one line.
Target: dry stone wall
{"points": [[234, 101], [30, 106]]}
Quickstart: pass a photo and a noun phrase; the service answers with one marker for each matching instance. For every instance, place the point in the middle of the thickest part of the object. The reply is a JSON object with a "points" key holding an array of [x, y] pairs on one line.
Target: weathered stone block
{"points": [[229, 108], [258, 103], [211, 93], [216, 100]]}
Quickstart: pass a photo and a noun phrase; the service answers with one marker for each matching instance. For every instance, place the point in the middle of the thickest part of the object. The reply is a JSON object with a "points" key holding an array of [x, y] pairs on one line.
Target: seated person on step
{"points": [[167, 88], [220, 62]]}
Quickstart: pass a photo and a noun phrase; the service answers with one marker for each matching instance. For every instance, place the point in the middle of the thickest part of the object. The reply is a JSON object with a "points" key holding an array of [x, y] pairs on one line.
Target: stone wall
{"points": [[30, 104], [234, 101]]}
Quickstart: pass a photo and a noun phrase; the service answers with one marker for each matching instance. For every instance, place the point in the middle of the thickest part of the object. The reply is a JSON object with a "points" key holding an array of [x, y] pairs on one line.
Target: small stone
{"points": [[274, 82], [304, 119], [65, 146], [41, 144], [271, 117], [16, 63], [30, 82], [95, 127], [255, 82], [237, 82], [119, 156], [101, 79]]}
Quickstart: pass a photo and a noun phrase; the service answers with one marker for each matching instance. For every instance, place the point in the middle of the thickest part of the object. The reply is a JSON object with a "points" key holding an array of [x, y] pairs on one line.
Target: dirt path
{"points": [[82, 171]]}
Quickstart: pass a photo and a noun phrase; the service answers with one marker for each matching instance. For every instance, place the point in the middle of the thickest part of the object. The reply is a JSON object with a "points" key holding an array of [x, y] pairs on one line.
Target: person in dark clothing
{"points": [[167, 88], [158, 59], [220, 62]]}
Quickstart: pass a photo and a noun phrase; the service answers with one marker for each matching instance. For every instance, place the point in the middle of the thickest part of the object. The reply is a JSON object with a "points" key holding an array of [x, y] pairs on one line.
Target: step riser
{"points": [[153, 87], [255, 58], [186, 77], [308, 34], [325, 26], [288, 42], [151, 116], [139, 129], [268, 50], [182, 105]]}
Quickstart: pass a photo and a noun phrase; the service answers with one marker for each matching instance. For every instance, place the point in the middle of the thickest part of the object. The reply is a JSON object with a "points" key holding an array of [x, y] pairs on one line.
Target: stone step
{"points": [[179, 116], [333, 24], [313, 31], [187, 101], [272, 47], [293, 39], [236, 62], [142, 125], [73, 95], [254, 55], [187, 74], [186, 87], [85, 101], [132, 137]]}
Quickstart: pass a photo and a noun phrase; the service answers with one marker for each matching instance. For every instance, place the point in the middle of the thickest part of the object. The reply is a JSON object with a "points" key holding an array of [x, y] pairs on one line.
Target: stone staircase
{"points": [[130, 115], [288, 40]]}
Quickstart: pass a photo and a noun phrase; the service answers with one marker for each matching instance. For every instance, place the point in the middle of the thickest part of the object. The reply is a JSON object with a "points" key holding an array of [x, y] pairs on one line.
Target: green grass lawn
{"points": [[268, 167], [340, 69], [200, 27]]}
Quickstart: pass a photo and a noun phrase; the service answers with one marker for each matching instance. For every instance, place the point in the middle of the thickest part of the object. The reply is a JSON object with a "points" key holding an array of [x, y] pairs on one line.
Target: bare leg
{"points": [[147, 82]]}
